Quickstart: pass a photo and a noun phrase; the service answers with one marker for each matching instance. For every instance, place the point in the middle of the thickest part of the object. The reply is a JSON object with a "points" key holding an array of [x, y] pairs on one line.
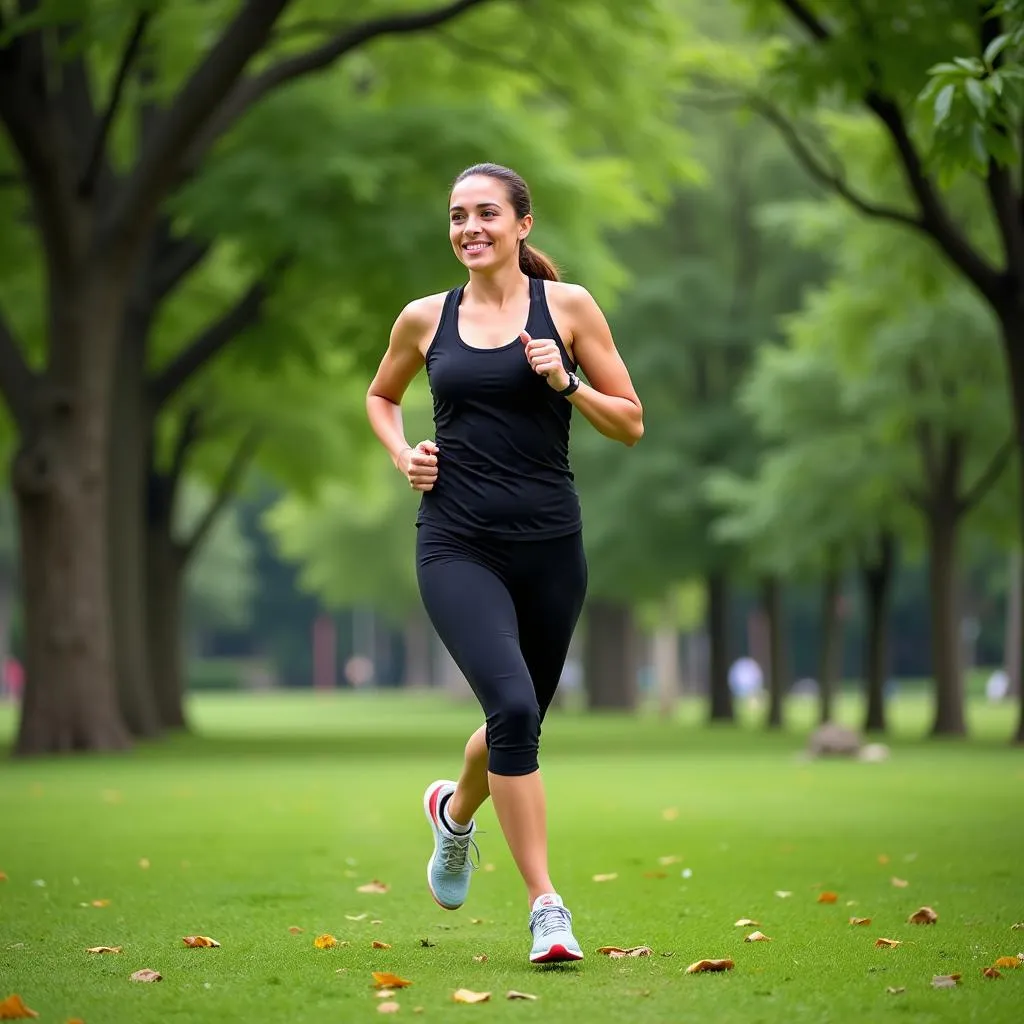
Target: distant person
{"points": [[746, 680], [500, 558]]}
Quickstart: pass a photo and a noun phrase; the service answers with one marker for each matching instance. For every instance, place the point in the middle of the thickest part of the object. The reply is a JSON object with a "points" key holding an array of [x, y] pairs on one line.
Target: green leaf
{"points": [[943, 103], [978, 95], [995, 48], [970, 64]]}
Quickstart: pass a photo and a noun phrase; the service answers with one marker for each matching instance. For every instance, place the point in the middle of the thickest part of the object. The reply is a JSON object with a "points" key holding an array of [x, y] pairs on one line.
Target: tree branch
{"points": [[212, 340], [189, 432], [226, 491], [16, 379], [989, 476], [87, 184], [806, 17], [192, 108], [923, 430], [178, 258], [249, 91], [821, 174]]}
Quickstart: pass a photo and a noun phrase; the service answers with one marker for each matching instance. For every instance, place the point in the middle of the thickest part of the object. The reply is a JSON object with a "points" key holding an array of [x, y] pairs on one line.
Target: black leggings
{"points": [[506, 611]]}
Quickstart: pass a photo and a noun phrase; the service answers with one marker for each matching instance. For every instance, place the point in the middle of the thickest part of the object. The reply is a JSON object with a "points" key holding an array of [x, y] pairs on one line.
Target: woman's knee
{"points": [[513, 733]]}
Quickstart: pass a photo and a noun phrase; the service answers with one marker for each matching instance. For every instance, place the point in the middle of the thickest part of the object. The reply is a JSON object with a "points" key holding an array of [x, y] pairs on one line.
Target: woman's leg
{"points": [[472, 788]]}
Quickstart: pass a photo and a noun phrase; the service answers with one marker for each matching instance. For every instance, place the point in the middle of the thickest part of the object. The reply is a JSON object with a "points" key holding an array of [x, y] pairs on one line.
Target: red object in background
{"points": [[14, 677], [325, 653]]}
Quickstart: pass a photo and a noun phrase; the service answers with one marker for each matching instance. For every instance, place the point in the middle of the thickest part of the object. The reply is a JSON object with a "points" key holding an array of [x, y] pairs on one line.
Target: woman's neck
{"points": [[499, 289]]}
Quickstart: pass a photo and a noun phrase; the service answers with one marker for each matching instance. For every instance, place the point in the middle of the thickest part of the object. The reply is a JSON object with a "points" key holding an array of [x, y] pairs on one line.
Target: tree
{"points": [[103, 205], [878, 55]]}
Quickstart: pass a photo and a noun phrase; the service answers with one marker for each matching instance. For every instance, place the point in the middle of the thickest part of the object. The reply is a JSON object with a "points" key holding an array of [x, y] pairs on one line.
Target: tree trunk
{"points": [[131, 423], [877, 578], [416, 635], [1012, 321], [717, 618], [666, 658], [778, 672], [945, 621], [830, 637], [1012, 633], [609, 657], [165, 600], [60, 480]]}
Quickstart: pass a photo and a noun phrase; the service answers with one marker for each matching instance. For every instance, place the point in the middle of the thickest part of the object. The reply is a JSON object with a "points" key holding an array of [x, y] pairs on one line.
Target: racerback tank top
{"points": [[502, 434]]}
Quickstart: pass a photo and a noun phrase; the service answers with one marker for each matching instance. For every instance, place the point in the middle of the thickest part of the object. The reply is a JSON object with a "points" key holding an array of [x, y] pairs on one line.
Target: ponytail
{"points": [[534, 263]]}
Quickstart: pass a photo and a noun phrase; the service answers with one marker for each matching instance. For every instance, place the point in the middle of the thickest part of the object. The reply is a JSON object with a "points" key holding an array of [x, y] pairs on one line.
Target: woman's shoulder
{"points": [[423, 311], [567, 297]]}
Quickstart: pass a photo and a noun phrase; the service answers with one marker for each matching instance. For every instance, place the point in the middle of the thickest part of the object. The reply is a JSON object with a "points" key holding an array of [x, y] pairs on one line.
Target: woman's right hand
{"points": [[419, 465]]}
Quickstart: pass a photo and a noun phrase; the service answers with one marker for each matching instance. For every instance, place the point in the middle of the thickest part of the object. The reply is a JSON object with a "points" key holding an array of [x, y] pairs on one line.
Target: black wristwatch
{"points": [[571, 388]]}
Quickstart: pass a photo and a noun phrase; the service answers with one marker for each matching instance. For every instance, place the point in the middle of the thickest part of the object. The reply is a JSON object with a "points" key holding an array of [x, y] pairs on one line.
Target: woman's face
{"points": [[483, 226]]}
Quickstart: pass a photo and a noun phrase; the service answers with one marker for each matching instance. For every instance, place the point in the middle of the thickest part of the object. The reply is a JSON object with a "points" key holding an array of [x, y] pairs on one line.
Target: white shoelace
{"points": [[455, 851], [552, 919]]}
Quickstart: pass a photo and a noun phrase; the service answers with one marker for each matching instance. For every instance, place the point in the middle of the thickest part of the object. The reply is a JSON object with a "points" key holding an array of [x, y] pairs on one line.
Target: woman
{"points": [[500, 559]]}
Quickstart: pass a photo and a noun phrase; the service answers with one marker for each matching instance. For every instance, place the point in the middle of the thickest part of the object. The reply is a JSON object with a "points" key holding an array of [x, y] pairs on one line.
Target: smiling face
{"points": [[483, 226]]}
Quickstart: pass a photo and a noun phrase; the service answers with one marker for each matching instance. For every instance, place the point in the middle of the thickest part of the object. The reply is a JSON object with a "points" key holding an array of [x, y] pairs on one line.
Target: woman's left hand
{"points": [[545, 357]]}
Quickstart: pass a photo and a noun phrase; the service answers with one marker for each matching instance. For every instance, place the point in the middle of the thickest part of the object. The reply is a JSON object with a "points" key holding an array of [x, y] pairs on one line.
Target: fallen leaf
{"points": [[827, 897], [488, 867], [606, 878], [427, 944], [388, 1008], [883, 858], [991, 972], [356, 917], [757, 937], [464, 995], [670, 813], [895, 991], [100, 903], [887, 943], [900, 883], [296, 930], [377, 921], [513, 994], [200, 942], [945, 981], [616, 952], [783, 894], [1018, 927], [655, 874], [385, 979], [860, 920], [3, 877], [12, 1008], [76, 1020], [104, 949], [374, 887], [710, 965], [669, 952], [144, 863], [746, 922], [1008, 961], [851, 903], [325, 941], [147, 975], [477, 920], [480, 958], [384, 993], [923, 916], [672, 858], [377, 944]]}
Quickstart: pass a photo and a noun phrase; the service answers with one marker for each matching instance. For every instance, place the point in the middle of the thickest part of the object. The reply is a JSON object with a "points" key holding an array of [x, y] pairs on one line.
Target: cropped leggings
{"points": [[506, 611]]}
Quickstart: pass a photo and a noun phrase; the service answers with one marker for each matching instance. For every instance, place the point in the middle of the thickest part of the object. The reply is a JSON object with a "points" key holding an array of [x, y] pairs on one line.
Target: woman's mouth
{"points": [[471, 247]]}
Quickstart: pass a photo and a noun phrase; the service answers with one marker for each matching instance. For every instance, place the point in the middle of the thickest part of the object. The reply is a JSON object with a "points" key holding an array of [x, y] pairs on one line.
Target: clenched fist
{"points": [[545, 358], [419, 465]]}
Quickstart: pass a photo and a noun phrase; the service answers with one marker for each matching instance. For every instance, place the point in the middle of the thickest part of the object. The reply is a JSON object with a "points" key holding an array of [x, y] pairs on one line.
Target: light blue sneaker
{"points": [[450, 867], [551, 924]]}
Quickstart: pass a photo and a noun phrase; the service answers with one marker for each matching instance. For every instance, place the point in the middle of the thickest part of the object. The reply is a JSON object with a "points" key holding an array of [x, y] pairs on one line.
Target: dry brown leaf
{"points": [[146, 974], [616, 952], [513, 994], [710, 965], [672, 858], [1008, 961], [990, 972], [895, 991], [200, 942], [465, 995], [296, 930], [374, 887], [757, 937], [899, 883], [946, 981], [477, 920], [144, 863], [655, 874], [104, 949], [377, 944], [606, 878], [12, 1008], [100, 903], [384, 993], [388, 1008], [356, 917], [385, 979], [746, 922], [76, 1020], [827, 897], [887, 943], [480, 958], [3, 877], [325, 942], [883, 858], [923, 916], [860, 920]]}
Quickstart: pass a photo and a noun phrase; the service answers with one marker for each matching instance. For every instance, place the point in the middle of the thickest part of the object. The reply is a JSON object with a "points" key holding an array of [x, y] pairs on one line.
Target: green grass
{"points": [[289, 802]]}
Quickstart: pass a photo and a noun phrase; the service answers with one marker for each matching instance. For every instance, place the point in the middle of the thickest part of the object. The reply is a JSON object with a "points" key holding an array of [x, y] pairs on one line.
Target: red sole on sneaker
{"points": [[555, 955]]}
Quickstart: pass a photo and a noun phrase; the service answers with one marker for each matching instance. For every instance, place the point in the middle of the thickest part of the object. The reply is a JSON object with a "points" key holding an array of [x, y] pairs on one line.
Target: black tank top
{"points": [[502, 434]]}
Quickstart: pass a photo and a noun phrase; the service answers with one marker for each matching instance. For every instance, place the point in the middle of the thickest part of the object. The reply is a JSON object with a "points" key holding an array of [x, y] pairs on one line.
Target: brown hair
{"points": [[532, 262]]}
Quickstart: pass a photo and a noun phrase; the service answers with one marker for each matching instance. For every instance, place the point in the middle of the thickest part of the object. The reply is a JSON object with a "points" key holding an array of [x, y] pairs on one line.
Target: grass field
{"points": [[283, 805]]}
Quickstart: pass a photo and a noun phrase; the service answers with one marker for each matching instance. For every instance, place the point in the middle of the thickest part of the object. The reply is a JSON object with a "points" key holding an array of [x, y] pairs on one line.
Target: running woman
{"points": [[500, 559]]}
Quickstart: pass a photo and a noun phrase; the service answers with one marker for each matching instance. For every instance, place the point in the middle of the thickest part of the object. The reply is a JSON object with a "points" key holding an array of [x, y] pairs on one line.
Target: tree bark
{"points": [[1014, 610], [778, 670], [721, 707], [830, 643], [165, 599], [877, 578], [609, 657], [945, 621]]}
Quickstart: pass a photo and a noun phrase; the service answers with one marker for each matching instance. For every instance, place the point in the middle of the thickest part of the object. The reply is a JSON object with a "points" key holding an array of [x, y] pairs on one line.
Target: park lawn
{"points": [[290, 802]]}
